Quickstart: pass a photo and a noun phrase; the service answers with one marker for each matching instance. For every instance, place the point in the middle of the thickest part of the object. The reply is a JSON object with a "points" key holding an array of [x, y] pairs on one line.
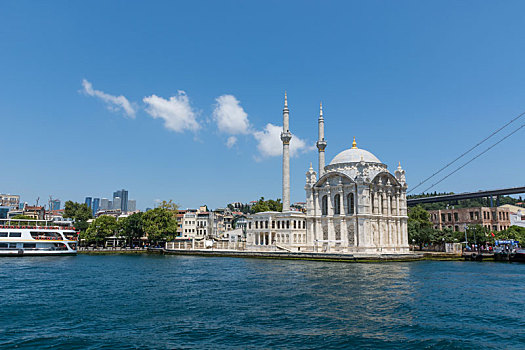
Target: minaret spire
{"points": [[286, 136], [321, 143]]}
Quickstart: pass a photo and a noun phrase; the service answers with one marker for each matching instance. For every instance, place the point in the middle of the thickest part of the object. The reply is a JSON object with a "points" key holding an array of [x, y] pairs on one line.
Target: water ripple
{"points": [[157, 302]]}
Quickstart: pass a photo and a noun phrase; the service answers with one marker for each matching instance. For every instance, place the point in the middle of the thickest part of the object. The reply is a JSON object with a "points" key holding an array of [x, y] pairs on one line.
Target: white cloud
{"points": [[114, 103], [231, 141], [230, 116], [176, 112], [269, 142]]}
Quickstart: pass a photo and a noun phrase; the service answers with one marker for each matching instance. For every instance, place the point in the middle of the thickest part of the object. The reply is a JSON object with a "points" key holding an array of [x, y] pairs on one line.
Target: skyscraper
{"points": [[55, 204], [95, 207], [132, 205], [88, 201], [123, 195], [117, 203], [104, 204]]}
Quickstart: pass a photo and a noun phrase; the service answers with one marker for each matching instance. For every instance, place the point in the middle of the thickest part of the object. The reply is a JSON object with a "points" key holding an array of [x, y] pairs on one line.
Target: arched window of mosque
{"points": [[391, 205], [324, 205], [350, 203], [337, 204]]}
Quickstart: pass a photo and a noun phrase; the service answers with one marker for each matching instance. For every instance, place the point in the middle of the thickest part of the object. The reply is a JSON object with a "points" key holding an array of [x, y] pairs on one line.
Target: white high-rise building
{"points": [[117, 203], [132, 205], [104, 204]]}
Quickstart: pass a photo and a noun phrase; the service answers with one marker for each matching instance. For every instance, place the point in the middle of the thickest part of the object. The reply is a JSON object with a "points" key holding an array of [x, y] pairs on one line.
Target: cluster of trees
{"points": [[267, 205], [261, 205], [158, 224], [421, 231]]}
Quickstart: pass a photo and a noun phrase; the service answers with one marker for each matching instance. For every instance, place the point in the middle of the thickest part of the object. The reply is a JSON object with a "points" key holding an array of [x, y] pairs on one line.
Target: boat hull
{"points": [[22, 252]]}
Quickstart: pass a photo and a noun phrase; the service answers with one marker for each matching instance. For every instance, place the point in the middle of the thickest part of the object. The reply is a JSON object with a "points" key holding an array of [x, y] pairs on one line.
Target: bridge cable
{"points": [[465, 153], [479, 155]]}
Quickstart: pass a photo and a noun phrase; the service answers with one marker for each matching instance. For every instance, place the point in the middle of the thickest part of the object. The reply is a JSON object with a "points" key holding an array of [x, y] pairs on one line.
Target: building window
{"points": [[456, 217], [324, 205], [337, 204], [256, 224], [471, 215], [250, 225], [278, 224], [350, 203], [287, 223], [273, 224], [294, 224], [266, 224], [449, 216], [372, 199], [442, 217]]}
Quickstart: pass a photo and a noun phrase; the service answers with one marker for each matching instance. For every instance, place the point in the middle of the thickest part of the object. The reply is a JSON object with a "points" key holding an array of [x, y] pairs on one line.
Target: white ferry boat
{"points": [[36, 237]]}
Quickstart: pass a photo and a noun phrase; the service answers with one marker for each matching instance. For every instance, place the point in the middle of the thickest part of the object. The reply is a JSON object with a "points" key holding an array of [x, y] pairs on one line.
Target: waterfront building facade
{"points": [[494, 219]]}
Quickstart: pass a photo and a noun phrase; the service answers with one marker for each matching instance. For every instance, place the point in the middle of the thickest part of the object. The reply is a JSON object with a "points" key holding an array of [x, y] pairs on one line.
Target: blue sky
{"points": [[415, 81]]}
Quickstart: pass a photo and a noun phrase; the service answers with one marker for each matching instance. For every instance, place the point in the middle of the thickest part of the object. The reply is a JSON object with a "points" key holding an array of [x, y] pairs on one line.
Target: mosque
{"points": [[353, 205]]}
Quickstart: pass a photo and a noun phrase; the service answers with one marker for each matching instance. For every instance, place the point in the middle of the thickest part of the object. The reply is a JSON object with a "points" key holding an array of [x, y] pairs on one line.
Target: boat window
{"points": [[45, 235], [29, 245], [3, 234], [12, 245], [60, 246], [3, 245], [15, 234]]}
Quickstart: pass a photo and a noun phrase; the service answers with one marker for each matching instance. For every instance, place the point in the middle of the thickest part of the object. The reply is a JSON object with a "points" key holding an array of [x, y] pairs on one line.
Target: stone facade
{"points": [[273, 230], [496, 219], [357, 206]]}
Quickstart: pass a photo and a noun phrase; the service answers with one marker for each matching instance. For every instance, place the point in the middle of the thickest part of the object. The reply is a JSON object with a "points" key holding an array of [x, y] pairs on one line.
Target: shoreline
{"points": [[334, 257]]}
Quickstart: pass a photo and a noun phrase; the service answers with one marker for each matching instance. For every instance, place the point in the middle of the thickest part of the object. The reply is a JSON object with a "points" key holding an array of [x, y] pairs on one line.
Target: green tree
{"points": [[420, 228], [131, 227], [169, 205], [159, 224], [102, 227], [23, 223], [80, 213], [267, 205], [514, 232]]}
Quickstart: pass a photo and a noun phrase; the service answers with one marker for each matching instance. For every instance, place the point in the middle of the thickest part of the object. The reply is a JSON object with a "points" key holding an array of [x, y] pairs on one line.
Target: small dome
{"points": [[354, 155]]}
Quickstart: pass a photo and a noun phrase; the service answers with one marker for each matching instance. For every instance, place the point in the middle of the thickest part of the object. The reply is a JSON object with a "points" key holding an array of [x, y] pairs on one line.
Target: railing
{"points": [[205, 245]]}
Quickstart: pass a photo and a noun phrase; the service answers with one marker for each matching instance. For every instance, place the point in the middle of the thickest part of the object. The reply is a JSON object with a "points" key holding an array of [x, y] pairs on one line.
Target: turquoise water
{"points": [[150, 301]]}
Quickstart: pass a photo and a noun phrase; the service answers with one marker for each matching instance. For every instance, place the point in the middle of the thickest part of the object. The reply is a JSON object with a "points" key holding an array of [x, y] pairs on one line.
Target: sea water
{"points": [[157, 302]]}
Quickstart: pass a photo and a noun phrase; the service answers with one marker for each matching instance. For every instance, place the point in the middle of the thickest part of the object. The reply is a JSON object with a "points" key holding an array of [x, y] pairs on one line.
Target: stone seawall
{"points": [[292, 256]]}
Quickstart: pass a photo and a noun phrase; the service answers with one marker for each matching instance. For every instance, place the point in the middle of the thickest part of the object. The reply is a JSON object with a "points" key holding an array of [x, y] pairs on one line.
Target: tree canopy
{"points": [[267, 205], [102, 227], [80, 213], [159, 224], [131, 227]]}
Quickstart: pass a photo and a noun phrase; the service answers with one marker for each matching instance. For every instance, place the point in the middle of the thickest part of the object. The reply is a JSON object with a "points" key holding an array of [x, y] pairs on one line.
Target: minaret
{"points": [[321, 143], [286, 136]]}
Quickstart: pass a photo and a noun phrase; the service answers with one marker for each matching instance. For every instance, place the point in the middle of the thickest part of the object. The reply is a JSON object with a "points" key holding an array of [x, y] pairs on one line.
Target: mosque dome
{"points": [[354, 155]]}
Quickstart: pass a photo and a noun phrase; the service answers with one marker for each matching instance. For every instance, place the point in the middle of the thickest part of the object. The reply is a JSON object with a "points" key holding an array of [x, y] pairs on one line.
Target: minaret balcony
{"points": [[321, 145], [286, 137]]}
